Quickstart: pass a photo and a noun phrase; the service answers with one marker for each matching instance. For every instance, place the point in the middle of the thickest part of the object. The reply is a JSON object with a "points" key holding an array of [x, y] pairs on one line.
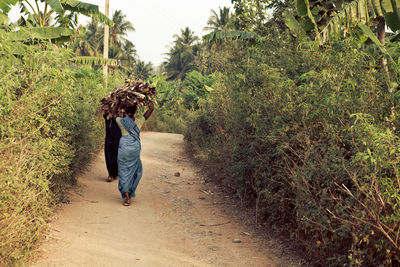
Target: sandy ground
{"points": [[173, 221]]}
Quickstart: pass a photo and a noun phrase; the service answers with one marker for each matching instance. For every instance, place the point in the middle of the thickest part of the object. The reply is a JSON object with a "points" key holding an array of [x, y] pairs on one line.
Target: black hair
{"points": [[131, 110]]}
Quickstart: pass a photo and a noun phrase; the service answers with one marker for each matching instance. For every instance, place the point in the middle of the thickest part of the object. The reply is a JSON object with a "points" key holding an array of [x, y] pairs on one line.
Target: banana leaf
{"points": [[6, 5], [44, 33], [211, 37], [95, 61]]}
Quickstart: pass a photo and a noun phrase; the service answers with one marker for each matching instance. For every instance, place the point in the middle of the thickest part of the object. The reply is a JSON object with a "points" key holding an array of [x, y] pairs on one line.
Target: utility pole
{"points": [[105, 50]]}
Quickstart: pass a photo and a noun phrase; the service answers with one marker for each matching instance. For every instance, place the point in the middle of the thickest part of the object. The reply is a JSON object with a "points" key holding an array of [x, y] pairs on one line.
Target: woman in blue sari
{"points": [[129, 163]]}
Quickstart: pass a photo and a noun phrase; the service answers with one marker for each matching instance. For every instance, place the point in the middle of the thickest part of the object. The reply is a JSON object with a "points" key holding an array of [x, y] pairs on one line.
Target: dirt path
{"points": [[172, 222]]}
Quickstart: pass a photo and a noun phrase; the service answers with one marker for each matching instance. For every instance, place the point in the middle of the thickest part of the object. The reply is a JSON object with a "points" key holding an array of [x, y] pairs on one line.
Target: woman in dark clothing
{"points": [[113, 134]]}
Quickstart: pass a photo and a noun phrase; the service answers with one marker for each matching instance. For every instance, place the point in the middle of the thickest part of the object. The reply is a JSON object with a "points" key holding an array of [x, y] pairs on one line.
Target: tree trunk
{"points": [[381, 38]]}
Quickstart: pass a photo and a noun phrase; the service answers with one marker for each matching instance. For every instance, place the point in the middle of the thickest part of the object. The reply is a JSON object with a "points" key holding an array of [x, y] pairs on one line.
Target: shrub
{"points": [[281, 131], [178, 99], [48, 129]]}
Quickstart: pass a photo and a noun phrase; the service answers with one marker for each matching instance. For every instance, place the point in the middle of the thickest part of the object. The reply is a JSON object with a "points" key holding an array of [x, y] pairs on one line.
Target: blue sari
{"points": [[130, 168]]}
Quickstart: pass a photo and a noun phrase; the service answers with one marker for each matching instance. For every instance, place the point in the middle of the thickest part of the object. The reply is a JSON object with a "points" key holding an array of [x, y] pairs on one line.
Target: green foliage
{"points": [[142, 70], [181, 57], [89, 46], [221, 21], [42, 18], [25, 34], [251, 14], [362, 11], [95, 61], [176, 100], [49, 129], [214, 36], [280, 130]]}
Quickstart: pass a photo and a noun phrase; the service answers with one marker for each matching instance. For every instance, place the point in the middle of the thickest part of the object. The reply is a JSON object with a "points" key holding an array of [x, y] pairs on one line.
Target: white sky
{"points": [[156, 21]]}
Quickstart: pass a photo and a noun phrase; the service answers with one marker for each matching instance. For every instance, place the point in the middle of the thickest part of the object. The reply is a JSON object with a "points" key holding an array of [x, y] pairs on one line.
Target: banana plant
{"points": [[25, 34], [95, 61], [42, 13], [218, 35], [363, 11], [39, 18], [351, 15], [358, 13], [304, 11]]}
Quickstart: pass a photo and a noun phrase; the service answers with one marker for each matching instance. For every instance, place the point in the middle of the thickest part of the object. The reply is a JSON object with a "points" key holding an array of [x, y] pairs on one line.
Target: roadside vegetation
{"points": [[291, 105], [300, 121], [50, 125]]}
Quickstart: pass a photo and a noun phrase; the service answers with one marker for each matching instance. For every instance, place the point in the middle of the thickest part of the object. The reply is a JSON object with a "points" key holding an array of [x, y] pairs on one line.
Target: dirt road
{"points": [[173, 220]]}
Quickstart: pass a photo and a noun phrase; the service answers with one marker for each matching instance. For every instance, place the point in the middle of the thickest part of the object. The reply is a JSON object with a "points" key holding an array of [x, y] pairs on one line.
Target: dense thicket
{"points": [[307, 134], [48, 130]]}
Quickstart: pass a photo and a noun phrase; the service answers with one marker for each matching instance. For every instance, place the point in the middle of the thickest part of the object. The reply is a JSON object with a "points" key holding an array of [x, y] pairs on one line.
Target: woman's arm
{"points": [[149, 111]]}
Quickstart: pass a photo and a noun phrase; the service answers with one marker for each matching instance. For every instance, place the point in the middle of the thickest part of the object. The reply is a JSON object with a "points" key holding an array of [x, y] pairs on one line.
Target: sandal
{"points": [[127, 202]]}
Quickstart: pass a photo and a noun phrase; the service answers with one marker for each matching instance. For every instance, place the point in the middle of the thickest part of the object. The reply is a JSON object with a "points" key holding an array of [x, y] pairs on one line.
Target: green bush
{"points": [[49, 128], [176, 100], [302, 132]]}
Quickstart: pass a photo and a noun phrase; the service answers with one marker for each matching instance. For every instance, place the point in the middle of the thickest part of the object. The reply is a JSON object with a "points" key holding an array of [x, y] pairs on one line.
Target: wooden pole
{"points": [[105, 50]]}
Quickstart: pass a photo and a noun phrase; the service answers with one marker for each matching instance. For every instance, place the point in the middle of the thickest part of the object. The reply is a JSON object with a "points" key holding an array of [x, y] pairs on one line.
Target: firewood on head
{"points": [[132, 93]]}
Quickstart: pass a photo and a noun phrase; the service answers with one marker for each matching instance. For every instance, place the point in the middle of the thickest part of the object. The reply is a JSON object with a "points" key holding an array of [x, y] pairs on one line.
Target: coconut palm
{"points": [[129, 52], [120, 50], [143, 70], [120, 29], [187, 38], [221, 26], [89, 41], [181, 57], [220, 22]]}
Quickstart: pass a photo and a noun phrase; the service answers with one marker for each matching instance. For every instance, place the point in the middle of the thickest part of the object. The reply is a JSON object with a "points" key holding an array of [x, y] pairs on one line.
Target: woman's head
{"points": [[131, 110], [106, 108]]}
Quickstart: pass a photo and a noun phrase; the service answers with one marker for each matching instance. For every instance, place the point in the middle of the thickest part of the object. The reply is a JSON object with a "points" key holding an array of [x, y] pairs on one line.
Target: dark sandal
{"points": [[127, 202]]}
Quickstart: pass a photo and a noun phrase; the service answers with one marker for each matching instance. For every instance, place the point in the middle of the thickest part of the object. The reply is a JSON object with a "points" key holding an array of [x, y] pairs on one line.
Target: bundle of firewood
{"points": [[131, 93]]}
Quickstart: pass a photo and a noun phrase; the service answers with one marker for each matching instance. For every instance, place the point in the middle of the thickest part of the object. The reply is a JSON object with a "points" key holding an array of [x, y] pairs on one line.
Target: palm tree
{"points": [[129, 52], [187, 38], [120, 28], [82, 46], [221, 26], [220, 22], [89, 41], [118, 32], [120, 48], [143, 70], [181, 57]]}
